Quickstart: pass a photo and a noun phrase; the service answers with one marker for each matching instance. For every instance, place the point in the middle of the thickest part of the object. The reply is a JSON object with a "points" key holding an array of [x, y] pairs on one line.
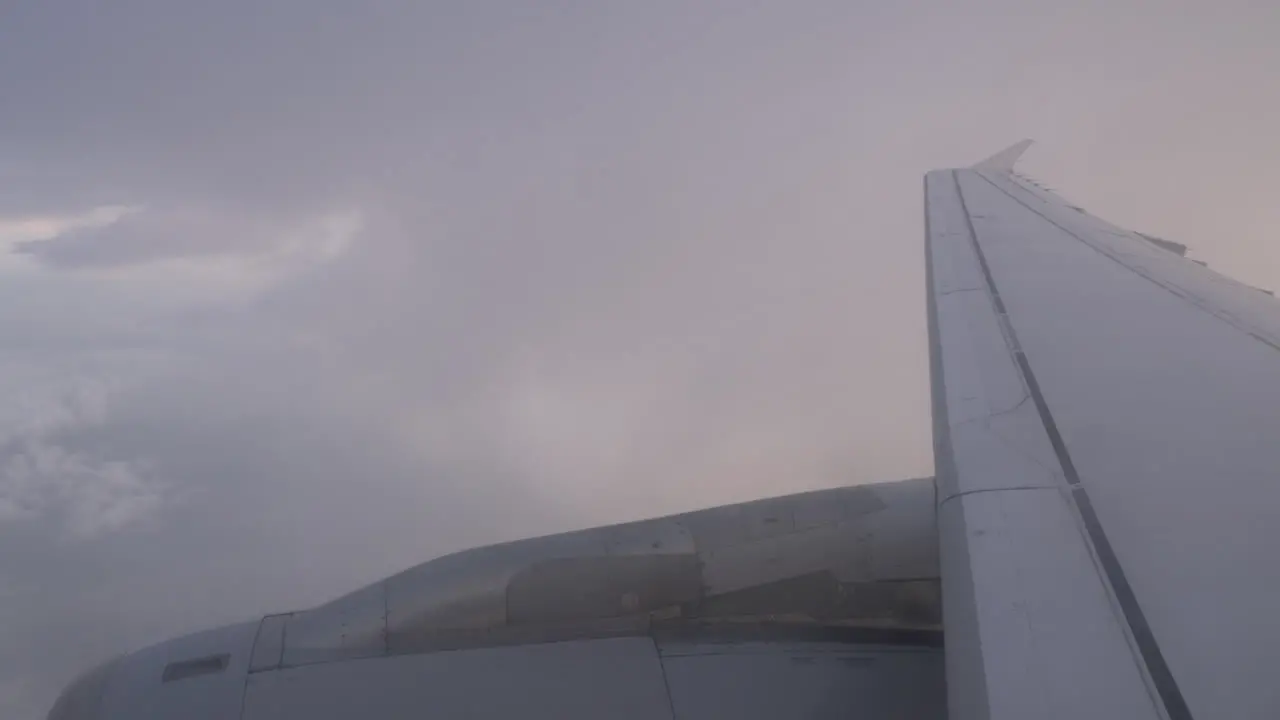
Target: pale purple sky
{"points": [[297, 294]]}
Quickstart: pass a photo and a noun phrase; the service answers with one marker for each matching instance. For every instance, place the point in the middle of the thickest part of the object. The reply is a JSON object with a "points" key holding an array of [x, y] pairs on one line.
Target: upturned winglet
{"points": [[1005, 159]]}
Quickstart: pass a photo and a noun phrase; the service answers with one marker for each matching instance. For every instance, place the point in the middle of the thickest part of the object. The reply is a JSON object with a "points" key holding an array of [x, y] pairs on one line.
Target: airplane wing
{"points": [[819, 605], [1095, 545], [1106, 414]]}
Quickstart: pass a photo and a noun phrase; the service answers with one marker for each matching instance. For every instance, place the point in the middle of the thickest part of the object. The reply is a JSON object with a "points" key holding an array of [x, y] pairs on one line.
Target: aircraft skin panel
{"points": [[769, 681], [1251, 309], [1048, 639], [834, 592], [637, 678], [609, 678], [146, 687], [1162, 378], [1030, 626]]}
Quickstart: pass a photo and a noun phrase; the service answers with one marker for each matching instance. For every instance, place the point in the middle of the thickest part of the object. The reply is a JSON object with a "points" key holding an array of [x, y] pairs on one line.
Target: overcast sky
{"points": [[296, 294]]}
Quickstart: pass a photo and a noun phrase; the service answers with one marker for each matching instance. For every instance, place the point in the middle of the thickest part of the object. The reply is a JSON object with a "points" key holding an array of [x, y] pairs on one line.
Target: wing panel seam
{"points": [[977, 491], [1162, 678]]}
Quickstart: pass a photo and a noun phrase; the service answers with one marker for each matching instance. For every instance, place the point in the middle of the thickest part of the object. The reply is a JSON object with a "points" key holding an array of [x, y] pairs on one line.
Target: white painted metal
{"points": [[353, 626], [1164, 380], [477, 631], [611, 580], [1031, 629], [612, 678], [806, 681], [135, 689]]}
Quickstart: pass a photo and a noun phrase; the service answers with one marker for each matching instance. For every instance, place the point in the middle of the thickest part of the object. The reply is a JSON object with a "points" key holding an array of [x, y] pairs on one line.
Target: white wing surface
{"points": [[1106, 417]]}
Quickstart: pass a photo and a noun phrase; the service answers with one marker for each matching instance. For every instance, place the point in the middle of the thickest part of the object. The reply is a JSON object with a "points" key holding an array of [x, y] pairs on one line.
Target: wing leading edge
{"points": [[1106, 486]]}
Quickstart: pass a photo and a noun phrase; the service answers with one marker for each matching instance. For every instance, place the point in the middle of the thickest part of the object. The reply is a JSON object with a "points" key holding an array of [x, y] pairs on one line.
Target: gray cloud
{"points": [[413, 276], [145, 236], [140, 236]]}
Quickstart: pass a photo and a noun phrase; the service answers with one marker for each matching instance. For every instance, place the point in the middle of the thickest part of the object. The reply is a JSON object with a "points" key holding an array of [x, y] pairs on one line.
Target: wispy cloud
{"points": [[23, 231], [44, 480], [118, 237]]}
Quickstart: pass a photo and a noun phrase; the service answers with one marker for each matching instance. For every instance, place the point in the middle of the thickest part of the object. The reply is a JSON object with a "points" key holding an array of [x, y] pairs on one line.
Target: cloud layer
{"points": [[295, 295]]}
